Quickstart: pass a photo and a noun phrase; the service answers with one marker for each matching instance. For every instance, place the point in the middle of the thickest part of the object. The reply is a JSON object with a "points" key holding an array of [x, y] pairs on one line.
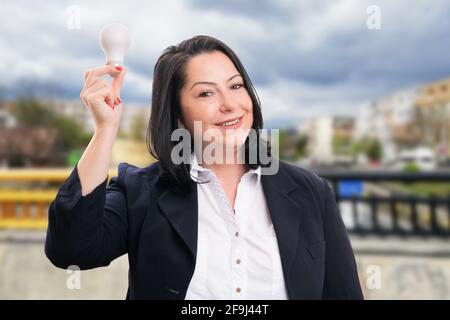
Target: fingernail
{"points": [[118, 101], [119, 68]]}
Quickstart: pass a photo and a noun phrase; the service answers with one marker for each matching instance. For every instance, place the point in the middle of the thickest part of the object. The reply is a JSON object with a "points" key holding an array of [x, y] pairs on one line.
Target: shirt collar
{"points": [[197, 170]]}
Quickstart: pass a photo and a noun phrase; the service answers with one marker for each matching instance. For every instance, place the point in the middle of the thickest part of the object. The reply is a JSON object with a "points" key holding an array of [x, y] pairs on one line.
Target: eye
{"points": [[204, 94], [237, 86]]}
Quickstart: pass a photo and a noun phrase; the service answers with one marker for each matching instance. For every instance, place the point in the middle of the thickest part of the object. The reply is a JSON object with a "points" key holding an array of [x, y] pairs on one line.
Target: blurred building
{"points": [[393, 121], [76, 110], [324, 133], [7, 120], [319, 132], [433, 107], [29, 147], [419, 117]]}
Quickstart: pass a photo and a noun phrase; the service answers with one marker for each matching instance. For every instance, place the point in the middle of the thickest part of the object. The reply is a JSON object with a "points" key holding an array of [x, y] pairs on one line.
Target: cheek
{"points": [[249, 109], [250, 119], [203, 117], [248, 103], [195, 113]]}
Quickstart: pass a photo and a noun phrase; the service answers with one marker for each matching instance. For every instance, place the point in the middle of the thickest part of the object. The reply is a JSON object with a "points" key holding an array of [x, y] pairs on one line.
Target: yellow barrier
{"points": [[39, 175], [11, 200]]}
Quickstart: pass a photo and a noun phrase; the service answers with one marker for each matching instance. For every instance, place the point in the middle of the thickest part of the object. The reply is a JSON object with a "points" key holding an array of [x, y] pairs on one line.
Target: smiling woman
{"points": [[201, 79], [196, 230]]}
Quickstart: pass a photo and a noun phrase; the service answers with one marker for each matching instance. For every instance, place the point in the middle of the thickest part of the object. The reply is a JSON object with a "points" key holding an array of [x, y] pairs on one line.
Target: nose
{"points": [[227, 103]]}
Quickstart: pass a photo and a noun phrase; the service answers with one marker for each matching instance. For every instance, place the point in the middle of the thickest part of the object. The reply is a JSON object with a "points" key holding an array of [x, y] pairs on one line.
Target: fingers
{"points": [[102, 93], [92, 89], [93, 75], [96, 86], [98, 90], [117, 82]]}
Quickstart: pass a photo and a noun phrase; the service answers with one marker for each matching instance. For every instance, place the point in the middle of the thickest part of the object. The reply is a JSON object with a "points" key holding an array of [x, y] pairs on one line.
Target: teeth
{"points": [[227, 124]]}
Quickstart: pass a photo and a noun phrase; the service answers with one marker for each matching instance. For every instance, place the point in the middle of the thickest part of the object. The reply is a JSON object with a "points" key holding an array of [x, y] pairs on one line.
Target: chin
{"points": [[237, 139]]}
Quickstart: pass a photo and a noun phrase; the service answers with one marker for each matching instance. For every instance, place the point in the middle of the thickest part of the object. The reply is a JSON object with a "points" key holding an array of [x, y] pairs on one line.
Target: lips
{"points": [[231, 123]]}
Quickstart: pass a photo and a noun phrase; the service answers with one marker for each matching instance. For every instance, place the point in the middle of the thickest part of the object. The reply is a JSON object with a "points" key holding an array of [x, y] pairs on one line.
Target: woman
{"points": [[199, 230]]}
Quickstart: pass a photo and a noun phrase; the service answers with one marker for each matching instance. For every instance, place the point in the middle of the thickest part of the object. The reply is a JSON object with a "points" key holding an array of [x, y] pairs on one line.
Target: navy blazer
{"points": [[157, 227]]}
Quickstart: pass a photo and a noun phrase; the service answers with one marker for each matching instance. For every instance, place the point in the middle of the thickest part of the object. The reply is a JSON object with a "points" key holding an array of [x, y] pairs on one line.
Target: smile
{"points": [[233, 123]]}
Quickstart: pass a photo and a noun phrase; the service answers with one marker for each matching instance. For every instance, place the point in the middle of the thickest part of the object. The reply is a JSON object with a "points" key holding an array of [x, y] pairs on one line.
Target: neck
{"points": [[228, 171]]}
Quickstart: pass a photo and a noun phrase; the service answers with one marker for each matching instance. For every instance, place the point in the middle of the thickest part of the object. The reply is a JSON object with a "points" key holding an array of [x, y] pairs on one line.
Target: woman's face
{"points": [[214, 94]]}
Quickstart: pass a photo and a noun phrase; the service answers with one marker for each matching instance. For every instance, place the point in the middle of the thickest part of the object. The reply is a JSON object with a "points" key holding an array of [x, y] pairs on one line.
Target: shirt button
{"points": [[238, 290], [238, 261]]}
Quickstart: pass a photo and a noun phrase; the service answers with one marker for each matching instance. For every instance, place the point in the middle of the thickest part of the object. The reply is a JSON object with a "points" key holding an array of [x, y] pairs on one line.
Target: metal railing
{"points": [[396, 213], [389, 210]]}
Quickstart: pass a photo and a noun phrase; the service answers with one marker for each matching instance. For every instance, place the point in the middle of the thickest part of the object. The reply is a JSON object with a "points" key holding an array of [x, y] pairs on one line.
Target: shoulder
{"points": [[304, 177], [309, 183], [129, 174]]}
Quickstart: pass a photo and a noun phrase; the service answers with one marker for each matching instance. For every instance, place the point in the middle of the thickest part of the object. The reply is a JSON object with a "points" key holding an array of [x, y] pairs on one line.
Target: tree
{"points": [[374, 151], [342, 145], [302, 146], [72, 135], [31, 112]]}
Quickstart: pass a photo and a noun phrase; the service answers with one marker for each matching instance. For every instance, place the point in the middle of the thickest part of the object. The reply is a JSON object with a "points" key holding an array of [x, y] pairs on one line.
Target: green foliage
{"points": [[342, 145], [411, 167], [31, 112], [374, 151], [427, 189], [371, 147], [292, 146], [71, 133], [73, 157], [302, 147]]}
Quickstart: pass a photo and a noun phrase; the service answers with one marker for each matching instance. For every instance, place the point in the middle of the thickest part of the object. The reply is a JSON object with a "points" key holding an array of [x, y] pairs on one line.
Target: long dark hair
{"points": [[169, 76]]}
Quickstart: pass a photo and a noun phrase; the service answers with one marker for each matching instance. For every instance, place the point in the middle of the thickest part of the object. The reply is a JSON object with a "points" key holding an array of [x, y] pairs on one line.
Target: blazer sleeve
{"points": [[87, 231], [341, 275]]}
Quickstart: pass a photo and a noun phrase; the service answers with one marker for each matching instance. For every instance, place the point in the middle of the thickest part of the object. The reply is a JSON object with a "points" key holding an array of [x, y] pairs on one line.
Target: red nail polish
{"points": [[118, 101], [119, 68]]}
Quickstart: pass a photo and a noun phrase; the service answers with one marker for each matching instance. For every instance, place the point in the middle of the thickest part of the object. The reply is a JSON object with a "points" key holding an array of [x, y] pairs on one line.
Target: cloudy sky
{"points": [[305, 58]]}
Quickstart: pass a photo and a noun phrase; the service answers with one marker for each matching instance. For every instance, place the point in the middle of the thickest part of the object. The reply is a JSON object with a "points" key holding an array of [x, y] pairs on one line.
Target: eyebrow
{"points": [[213, 83]]}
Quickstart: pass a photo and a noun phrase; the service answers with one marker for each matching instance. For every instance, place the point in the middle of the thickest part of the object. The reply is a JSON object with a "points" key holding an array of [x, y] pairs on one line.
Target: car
{"points": [[422, 157]]}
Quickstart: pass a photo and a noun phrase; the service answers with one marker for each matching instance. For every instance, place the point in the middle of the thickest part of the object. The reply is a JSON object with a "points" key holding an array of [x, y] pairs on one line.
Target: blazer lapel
{"points": [[286, 214], [181, 209]]}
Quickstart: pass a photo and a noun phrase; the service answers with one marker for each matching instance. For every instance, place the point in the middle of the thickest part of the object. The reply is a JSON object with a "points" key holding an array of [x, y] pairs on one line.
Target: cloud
{"points": [[304, 57]]}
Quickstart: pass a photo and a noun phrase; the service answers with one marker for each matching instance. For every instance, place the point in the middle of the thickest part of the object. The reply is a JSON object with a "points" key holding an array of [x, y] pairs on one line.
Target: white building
{"points": [[379, 118], [6, 120], [320, 139]]}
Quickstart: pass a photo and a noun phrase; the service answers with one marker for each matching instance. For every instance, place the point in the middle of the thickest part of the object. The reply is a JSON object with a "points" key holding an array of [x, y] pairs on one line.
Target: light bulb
{"points": [[115, 40]]}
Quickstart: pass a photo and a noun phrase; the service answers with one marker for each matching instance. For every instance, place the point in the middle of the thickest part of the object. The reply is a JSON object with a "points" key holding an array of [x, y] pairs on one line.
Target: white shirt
{"points": [[237, 254]]}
